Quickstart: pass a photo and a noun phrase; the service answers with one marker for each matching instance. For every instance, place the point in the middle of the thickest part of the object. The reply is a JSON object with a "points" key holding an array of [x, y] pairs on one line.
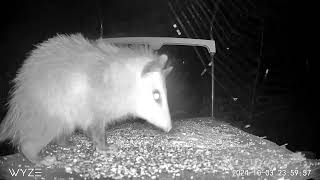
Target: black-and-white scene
{"points": [[157, 89]]}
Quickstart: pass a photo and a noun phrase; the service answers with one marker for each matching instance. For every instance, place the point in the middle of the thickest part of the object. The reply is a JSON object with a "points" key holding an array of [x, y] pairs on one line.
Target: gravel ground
{"points": [[194, 149]]}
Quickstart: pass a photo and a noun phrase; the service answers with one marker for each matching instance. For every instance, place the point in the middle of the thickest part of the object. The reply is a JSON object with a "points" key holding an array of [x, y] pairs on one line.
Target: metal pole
{"points": [[216, 8], [212, 86], [100, 16]]}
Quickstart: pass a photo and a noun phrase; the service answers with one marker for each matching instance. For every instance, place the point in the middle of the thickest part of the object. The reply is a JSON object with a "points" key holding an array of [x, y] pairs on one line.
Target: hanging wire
{"points": [[225, 36], [221, 21], [185, 31], [194, 18], [257, 74]]}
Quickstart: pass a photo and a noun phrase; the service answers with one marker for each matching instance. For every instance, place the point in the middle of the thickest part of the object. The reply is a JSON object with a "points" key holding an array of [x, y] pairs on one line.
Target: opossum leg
{"points": [[31, 149], [97, 132], [62, 140], [36, 139]]}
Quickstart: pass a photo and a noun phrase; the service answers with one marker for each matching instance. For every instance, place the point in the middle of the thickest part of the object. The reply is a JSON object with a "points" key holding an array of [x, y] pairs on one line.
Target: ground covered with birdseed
{"points": [[194, 149]]}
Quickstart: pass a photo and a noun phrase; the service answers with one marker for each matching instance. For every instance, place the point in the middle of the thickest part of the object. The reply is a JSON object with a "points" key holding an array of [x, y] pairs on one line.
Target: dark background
{"points": [[288, 38]]}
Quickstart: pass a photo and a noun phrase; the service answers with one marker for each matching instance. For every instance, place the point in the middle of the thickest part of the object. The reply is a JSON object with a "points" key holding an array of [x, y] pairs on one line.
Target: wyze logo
{"points": [[27, 172]]}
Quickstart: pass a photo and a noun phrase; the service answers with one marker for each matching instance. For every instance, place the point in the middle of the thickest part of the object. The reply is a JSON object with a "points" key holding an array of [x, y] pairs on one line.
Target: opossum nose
{"points": [[168, 128]]}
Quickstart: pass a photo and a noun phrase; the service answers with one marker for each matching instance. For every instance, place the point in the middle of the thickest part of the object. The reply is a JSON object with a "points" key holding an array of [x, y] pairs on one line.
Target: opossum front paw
{"points": [[31, 152], [34, 159], [48, 161]]}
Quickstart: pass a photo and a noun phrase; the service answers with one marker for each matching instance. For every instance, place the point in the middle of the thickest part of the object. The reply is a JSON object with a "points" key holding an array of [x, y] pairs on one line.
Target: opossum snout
{"points": [[168, 128], [165, 124]]}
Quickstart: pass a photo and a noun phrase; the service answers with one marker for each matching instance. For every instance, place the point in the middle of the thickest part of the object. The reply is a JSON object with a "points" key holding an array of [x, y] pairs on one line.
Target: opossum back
{"points": [[73, 79], [51, 83]]}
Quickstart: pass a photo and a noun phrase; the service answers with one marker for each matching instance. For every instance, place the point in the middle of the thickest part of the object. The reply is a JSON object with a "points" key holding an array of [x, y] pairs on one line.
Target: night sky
{"points": [[26, 23]]}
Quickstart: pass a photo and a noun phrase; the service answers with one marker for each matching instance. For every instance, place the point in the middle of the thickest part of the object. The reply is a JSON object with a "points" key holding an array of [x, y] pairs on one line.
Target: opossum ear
{"points": [[167, 71], [163, 59], [155, 66]]}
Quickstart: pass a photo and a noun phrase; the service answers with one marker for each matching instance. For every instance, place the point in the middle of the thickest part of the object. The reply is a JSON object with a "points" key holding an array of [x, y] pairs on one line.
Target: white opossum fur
{"points": [[69, 82]]}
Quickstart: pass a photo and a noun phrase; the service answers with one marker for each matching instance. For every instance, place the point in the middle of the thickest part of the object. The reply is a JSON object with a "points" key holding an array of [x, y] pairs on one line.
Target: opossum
{"points": [[69, 82]]}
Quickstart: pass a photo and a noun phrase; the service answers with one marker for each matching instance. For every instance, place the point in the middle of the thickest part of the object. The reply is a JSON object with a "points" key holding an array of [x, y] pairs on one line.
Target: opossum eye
{"points": [[156, 96]]}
